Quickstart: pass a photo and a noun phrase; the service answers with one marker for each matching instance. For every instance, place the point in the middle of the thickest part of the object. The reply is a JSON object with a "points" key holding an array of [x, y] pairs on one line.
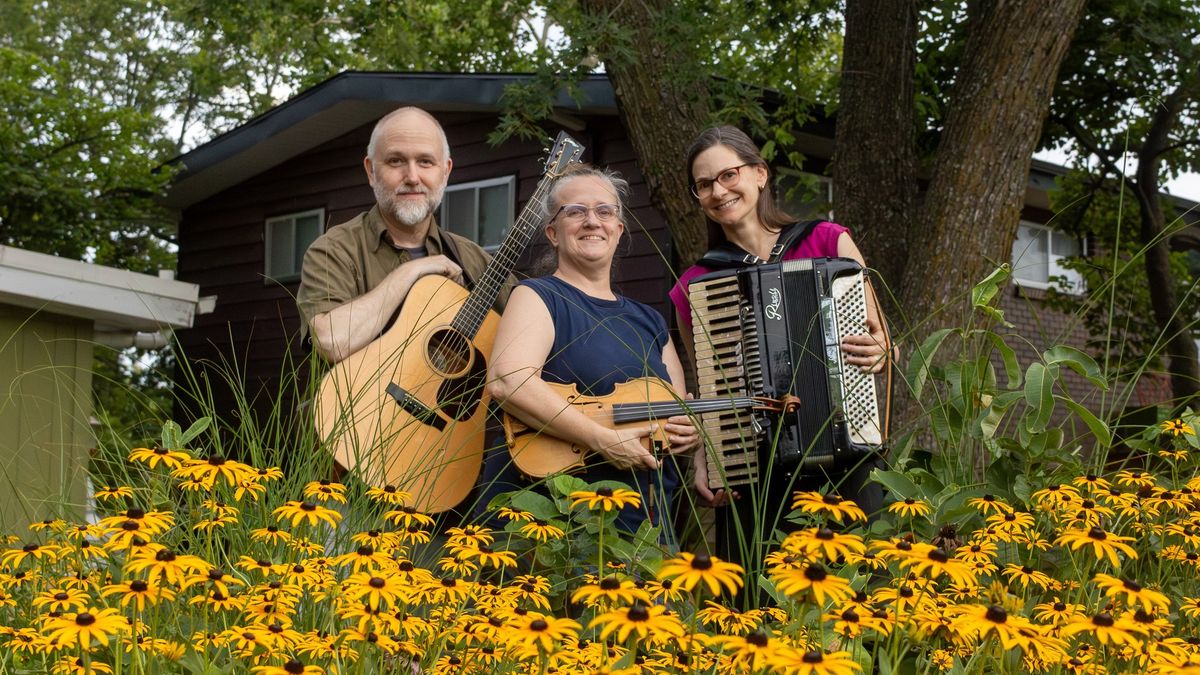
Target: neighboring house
{"points": [[251, 200], [53, 314]]}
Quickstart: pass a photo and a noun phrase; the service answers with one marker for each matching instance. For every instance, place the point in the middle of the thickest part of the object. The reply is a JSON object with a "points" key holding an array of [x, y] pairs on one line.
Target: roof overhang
{"points": [[116, 300], [344, 102]]}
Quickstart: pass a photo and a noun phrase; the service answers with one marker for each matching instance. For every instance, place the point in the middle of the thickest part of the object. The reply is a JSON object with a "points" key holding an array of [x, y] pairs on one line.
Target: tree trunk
{"points": [[1002, 92], [1175, 328], [874, 181], [663, 102]]}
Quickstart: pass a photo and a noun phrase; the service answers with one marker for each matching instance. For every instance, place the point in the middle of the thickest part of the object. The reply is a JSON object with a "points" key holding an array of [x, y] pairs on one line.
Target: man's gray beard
{"points": [[409, 213]]}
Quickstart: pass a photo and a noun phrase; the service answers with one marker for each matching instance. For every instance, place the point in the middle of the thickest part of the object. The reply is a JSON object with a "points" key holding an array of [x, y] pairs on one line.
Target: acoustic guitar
{"points": [[538, 454], [409, 410]]}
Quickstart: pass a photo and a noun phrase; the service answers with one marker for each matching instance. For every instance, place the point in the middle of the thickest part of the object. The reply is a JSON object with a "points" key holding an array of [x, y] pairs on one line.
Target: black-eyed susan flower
{"points": [[469, 535], [487, 556], [1176, 427], [829, 505], [815, 662], [1103, 544], [989, 504], [931, 562], [365, 558], [729, 620], [249, 489], [138, 593], [980, 621], [688, 570], [172, 459], [1027, 576], [324, 491], [166, 564], [1133, 593], [541, 530], [1105, 629], [151, 522], [13, 557], [306, 512], [647, 622], [217, 601], [910, 508], [389, 495], [84, 629], [290, 667], [270, 535], [813, 580], [750, 653], [1011, 522], [375, 589], [265, 567], [664, 590], [514, 515], [61, 600], [977, 551], [407, 516], [606, 498], [1136, 478], [214, 467], [825, 542], [610, 591], [107, 493], [446, 591], [75, 665], [540, 630], [1057, 612]]}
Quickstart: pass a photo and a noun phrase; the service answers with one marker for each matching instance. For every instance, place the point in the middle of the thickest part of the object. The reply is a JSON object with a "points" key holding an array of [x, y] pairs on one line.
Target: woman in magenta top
{"points": [[731, 182]]}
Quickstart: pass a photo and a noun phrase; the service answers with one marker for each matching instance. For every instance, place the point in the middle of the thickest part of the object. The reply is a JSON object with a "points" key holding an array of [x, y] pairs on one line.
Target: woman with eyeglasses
{"points": [[571, 327], [731, 183]]}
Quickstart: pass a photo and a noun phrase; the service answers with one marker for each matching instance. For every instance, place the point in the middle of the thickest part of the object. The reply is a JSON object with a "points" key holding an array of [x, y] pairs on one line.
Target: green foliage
{"points": [[984, 431]]}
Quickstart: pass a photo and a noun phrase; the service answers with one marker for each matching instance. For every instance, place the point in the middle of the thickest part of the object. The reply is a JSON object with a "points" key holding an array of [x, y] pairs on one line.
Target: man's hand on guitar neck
{"points": [[348, 328]]}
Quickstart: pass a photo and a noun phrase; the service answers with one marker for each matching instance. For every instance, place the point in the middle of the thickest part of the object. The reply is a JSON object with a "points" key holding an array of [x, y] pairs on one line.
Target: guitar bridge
{"points": [[409, 404]]}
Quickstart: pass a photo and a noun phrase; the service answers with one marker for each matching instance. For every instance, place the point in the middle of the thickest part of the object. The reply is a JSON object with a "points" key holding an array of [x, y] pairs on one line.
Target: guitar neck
{"points": [[638, 412]]}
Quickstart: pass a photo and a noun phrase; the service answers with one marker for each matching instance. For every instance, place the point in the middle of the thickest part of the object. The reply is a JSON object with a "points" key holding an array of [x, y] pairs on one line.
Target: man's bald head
{"points": [[405, 115]]}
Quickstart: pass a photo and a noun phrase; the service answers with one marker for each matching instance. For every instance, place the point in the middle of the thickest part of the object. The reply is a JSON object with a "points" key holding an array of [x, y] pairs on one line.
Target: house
{"points": [[54, 312], [251, 200]]}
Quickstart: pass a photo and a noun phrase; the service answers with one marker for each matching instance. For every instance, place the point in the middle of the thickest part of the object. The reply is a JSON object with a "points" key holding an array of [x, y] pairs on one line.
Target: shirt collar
{"points": [[433, 239]]}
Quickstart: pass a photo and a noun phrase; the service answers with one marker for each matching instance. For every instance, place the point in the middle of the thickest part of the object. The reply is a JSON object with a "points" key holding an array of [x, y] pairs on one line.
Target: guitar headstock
{"points": [[566, 151]]}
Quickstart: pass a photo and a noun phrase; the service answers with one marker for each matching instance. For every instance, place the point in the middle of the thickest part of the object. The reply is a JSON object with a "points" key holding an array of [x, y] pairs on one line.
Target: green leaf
{"points": [[1096, 425], [1039, 395], [1012, 369], [195, 430], [1077, 361], [918, 366], [897, 483]]}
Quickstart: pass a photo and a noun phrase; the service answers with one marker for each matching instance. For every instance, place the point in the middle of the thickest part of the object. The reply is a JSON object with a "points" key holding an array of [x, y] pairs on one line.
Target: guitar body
{"points": [[409, 409], [538, 454]]}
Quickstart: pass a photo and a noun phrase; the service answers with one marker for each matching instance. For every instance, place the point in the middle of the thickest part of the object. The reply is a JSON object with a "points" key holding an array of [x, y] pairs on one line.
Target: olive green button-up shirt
{"points": [[355, 257]]}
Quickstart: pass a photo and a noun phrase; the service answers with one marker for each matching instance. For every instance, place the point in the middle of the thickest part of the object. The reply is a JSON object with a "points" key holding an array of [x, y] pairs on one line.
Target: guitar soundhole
{"points": [[449, 352]]}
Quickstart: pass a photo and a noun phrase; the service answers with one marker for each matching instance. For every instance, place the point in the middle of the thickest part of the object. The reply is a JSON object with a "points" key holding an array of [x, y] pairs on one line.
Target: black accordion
{"points": [[775, 330]]}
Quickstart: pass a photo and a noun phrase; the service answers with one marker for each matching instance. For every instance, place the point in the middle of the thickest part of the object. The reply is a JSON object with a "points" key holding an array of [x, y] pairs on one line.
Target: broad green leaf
{"points": [[1039, 395], [1096, 425], [897, 483], [1012, 369], [1077, 361], [195, 430], [986, 290]]}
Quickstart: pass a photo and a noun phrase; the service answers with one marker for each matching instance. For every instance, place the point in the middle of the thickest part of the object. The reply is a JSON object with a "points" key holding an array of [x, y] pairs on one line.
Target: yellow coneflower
{"points": [[165, 563], [291, 667], [515, 515], [980, 621], [1133, 593], [688, 570], [815, 662], [929, 561], [407, 516], [605, 499], [249, 488], [648, 622], [487, 556], [541, 630], [215, 600], [729, 620], [61, 600], [13, 557], [313, 514], [270, 535], [213, 467], [375, 589], [1104, 545], [1026, 575], [910, 508], [389, 495], [813, 580], [541, 530], [989, 504], [365, 558], [829, 505], [609, 592], [1136, 478], [324, 490], [469, 535], [750, 653], [829, 544], [1176, 427], [172, 459], [138, 593], [151, 523], [84, 629], [1057, 612], [977, 551], [75, 665], [1105, 629], [1011, 522]]}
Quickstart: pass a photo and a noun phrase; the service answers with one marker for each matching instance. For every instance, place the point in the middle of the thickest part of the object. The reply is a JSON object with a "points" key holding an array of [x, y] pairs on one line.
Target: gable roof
{"points": [[344, 102]]}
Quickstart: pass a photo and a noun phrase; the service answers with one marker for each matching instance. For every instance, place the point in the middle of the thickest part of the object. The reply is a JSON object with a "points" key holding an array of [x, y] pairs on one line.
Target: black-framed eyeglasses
{"points": [[726, 177], [577, 213]]}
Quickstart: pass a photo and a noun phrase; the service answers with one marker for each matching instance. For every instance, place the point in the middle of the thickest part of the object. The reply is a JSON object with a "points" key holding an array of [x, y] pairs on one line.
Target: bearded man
{"points": [[355, 276]]}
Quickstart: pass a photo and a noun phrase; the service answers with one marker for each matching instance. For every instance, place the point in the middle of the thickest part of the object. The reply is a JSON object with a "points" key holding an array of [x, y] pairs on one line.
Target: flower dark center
{"points": [[996, 614], [539, 625], [702, 562], [610, 583], [376, 582], [366, 550], [1097, 534], [757, 638], [638, 612], [138, 586], [1132, 585], [850, 615], [832, 500], [604, 492], [308, 506], [813, 657], [825, 534], [1103, 620], [1060, 607], [815, 572], [216, 460], [61, 596], [84, 619], [938, 555], [294, 666]]}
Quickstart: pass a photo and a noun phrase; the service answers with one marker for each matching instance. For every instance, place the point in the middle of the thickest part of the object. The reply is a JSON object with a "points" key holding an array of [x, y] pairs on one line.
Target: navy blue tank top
{"points": [[599, 344]]}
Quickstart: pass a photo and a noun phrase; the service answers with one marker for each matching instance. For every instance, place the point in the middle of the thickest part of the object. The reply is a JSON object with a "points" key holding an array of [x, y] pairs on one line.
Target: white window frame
{"points": [[1053, 270], [509, 181], [269, 277]]}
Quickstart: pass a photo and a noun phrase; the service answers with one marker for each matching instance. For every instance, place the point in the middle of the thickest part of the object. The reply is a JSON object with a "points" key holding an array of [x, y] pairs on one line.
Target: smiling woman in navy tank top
{"points": [[572, 328]]}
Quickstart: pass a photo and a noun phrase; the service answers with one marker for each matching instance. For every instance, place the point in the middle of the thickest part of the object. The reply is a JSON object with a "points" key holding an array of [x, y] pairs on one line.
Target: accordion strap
{"points": [[727, 255]]}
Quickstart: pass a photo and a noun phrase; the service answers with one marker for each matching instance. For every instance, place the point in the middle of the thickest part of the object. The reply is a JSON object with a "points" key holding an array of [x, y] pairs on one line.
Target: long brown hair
{"points": [[771, 216]]}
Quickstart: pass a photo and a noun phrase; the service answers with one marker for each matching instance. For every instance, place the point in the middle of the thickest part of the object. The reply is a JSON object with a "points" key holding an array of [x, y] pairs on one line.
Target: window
{"points": [[288, 237], [481, 211], [806, 196], [1036, 253]]}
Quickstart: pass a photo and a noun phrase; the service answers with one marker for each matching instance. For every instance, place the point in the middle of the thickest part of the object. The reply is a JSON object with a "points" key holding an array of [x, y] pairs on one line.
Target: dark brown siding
{"points": [[254, 326]]}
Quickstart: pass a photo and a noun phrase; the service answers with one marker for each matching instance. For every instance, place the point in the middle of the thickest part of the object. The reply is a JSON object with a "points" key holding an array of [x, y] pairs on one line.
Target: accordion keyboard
{"points": [[859, 401], [727, 365]]}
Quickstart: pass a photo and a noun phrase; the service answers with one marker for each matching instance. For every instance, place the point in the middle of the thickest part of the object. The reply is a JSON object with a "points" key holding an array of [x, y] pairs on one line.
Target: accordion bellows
{"points": [[774, 330]]}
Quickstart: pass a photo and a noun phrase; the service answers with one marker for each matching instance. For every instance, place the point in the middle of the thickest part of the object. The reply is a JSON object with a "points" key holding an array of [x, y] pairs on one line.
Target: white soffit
{"points": [[115, 299]]}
